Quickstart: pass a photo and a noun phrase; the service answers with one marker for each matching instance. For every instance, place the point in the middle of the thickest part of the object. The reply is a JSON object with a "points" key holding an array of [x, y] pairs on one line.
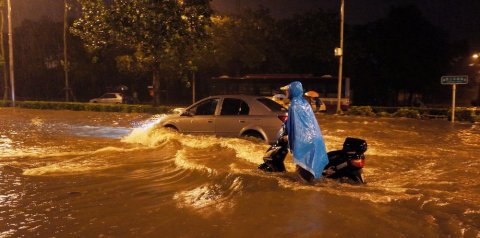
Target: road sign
{"points": [[455, 79]]}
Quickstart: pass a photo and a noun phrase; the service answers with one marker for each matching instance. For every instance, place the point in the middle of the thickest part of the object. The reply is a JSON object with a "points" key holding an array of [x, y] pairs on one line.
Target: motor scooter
{"points": [[345, 164]]}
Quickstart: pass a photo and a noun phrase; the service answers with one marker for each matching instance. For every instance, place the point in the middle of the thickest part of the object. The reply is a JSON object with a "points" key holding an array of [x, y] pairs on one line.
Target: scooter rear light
{"points": [[359, 163], [283, 118]]}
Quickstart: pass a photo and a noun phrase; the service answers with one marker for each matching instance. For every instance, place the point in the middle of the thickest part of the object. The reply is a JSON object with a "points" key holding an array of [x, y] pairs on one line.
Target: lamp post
{"points": [[339, 53], [475, 59], [10, 50]]}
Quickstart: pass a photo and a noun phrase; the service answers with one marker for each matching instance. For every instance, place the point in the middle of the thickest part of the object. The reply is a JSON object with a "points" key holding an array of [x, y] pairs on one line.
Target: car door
{"points": [[233, 117], [108, 98], [200, 118]]}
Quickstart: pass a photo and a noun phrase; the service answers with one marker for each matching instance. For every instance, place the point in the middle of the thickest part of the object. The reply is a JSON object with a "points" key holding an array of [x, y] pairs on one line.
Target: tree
{"points": [[37, 59], [308, 41], [157, 34], [401, 54], [243, 43]]}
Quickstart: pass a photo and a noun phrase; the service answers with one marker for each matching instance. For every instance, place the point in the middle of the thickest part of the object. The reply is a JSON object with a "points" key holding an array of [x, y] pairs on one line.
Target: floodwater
{"points": [[89, 174]]}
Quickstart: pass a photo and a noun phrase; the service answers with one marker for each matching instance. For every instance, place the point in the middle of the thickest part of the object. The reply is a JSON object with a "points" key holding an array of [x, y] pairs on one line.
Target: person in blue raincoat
{"points": [[304, 136]]}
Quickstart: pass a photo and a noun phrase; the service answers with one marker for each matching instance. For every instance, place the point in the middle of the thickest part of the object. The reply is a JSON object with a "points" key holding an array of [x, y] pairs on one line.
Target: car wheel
{"points": [[255, 135], [171, 128]]}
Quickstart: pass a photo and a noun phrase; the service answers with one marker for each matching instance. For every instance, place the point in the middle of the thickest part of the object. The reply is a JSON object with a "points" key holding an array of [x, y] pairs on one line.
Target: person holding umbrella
{"points": [[316, 97]]}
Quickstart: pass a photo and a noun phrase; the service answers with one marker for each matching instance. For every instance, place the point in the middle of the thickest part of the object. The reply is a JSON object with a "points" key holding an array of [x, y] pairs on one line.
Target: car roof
{"points": [[238, 96], [260, 108], [247, 98]]}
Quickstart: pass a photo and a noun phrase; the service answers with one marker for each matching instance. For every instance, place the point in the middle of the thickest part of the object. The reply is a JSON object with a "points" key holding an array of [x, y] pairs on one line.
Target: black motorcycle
{"points": [[345, 164]]}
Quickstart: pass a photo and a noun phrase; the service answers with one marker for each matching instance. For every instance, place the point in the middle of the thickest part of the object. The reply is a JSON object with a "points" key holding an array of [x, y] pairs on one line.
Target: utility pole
{"points": [[339, 53], [65, 55], [10, 51], [2, 50]]}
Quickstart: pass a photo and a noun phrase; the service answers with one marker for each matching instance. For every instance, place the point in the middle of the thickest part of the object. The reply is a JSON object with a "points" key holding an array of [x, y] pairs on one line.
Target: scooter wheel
{"points": [[265, 167]]}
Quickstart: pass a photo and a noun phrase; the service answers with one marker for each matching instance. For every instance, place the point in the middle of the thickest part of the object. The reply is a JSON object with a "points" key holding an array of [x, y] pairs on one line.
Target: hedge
{"points": [[98, 107], [461, 113]]}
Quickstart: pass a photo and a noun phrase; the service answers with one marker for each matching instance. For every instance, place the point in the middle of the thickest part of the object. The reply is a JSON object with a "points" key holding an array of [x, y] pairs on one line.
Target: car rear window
{"points": [[272, 105]]}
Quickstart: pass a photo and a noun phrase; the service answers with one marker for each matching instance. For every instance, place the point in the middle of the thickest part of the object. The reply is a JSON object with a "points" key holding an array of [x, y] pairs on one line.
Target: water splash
{"points": [[151, 135], [146, 133]]}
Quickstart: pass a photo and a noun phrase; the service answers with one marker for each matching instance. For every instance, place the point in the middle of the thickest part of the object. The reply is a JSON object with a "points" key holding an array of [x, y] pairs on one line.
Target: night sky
{"points": [[461, 18]]}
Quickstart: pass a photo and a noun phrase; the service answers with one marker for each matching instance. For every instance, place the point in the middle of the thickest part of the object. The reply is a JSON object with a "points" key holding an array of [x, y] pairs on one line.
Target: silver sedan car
{"points": [[115, 98], [231, 116]]}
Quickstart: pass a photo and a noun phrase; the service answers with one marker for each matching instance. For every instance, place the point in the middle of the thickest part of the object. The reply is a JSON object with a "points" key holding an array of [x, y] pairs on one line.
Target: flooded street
{"points": [[90, 174]]}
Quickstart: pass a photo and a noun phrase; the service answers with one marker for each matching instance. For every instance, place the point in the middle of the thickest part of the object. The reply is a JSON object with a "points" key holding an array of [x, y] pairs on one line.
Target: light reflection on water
{"points": [[120, 175]]}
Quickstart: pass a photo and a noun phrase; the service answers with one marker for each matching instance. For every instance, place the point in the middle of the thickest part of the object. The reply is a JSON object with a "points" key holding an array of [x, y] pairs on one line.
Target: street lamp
{"points": [[339, 53]]}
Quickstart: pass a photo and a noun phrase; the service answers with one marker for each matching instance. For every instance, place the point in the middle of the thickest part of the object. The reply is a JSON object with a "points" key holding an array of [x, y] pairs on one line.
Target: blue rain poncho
{"points": [[304, 135]]}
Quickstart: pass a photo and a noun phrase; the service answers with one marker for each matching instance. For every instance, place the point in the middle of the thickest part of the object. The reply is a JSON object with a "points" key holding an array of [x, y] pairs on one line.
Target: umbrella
{"points": [[312, 94]]}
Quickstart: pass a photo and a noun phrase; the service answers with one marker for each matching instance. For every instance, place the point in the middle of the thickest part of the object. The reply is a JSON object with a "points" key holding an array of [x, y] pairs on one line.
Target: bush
{"points": [[4, 103], [384, 114], [464, 114], [389, 110], [407, 112], [360, 111]]}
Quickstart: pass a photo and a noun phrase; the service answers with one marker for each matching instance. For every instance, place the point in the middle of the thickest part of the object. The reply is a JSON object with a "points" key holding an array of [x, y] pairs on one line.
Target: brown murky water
{"points": [[86, 174]]}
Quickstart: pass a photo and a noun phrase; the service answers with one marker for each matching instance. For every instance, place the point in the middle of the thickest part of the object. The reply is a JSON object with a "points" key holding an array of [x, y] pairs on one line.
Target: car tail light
{"points": [[283, 118], [359, 163]]}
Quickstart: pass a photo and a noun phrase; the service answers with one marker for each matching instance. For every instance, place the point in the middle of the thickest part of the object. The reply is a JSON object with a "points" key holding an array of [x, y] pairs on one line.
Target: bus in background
{"points": [[269, 84]]}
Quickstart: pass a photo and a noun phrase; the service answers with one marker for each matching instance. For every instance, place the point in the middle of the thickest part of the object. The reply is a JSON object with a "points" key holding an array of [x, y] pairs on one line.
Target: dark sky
{"points": [[461, 18]]}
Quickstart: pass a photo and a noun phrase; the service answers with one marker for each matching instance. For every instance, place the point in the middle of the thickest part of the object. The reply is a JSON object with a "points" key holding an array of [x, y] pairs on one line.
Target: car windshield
{"points": [[273, 106]]}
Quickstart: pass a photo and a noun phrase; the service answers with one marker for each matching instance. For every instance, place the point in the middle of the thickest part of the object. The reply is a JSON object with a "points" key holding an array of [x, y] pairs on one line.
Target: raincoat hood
{"points": [[295, 89], [304, 135]]}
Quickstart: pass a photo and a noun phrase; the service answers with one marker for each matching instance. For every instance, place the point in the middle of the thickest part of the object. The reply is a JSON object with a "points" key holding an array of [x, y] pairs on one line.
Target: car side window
{"points": [[108, 95], [205, 108], [232, 106]]}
